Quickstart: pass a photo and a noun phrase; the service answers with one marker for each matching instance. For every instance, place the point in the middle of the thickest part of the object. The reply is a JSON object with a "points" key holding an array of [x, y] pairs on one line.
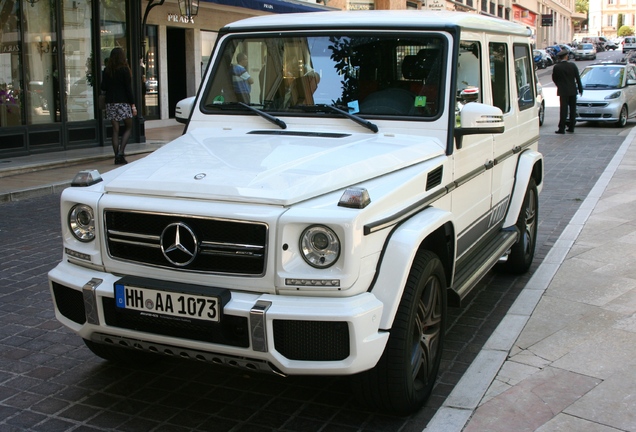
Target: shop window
{"points": [[150, 75], [11, 92], [208, 38], [42, 75], [79, 60], [112, 28]]}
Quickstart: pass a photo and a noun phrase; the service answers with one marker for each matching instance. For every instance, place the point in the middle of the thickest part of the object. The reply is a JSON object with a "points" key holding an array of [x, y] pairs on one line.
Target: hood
{"points": [[597, 95], [272, 167]]}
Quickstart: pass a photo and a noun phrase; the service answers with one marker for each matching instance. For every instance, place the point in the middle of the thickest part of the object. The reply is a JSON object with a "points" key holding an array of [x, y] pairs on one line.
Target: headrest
{"points": [[411, 69]]}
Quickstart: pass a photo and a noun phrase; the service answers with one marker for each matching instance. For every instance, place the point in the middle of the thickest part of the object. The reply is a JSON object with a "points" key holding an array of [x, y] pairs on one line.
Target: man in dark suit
{"points": [[567, 79]]}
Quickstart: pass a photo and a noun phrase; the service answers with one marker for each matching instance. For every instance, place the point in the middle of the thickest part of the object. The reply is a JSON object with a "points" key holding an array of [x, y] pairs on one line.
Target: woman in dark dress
{"points": [[120, 101]]}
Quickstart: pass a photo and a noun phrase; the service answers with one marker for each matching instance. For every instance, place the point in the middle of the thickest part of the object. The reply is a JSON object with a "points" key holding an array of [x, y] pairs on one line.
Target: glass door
{"points": [[42, 78], [79, 60], [11, 94]]}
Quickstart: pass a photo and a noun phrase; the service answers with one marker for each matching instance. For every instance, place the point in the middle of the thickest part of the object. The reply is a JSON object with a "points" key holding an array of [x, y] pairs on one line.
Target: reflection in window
{"points": [[499, 75], [523, 74], [469, 72], [360, 73]]}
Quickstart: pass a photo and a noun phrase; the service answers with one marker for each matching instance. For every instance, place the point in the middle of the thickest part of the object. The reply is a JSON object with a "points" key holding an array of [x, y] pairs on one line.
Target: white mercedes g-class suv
{"points": [[343, 176]]}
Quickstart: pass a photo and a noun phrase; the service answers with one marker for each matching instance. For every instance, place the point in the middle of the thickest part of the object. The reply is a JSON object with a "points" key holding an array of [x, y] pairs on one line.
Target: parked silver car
{"points": [[609, 93], [585, 51]]}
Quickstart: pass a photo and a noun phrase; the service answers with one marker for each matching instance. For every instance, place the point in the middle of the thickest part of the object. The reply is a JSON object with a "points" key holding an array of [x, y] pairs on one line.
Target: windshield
{"points": [[604, 77], [585, 46], [363, 74]]}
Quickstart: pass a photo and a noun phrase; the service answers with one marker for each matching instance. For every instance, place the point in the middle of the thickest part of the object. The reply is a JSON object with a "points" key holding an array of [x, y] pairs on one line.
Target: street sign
{"points": [[547, 20]]}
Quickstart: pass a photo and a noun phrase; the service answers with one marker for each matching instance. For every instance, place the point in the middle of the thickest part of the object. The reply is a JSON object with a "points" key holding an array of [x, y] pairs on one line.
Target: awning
{"points": [[273, 6]]}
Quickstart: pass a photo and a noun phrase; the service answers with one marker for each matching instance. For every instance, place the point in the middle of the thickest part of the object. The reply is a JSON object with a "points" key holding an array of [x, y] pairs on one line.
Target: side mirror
{"points": [[477, 118], [631, 81], [183, 109]]}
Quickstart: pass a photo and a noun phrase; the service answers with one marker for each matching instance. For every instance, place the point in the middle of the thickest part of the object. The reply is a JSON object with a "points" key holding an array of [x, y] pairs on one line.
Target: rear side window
{"points": [[523, 77]]}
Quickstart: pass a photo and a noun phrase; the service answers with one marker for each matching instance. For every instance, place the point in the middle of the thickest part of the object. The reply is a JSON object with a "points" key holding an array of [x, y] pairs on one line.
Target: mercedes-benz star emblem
{"points": [[179, 244]]}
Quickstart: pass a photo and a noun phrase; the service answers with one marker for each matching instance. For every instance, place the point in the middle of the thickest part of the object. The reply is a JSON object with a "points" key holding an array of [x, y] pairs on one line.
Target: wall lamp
{"points": [[188, 8]]}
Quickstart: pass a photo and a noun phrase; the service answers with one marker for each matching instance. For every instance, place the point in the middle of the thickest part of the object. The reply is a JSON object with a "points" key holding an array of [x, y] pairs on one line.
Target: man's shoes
{"points": [[560, 132], [570, 130]]}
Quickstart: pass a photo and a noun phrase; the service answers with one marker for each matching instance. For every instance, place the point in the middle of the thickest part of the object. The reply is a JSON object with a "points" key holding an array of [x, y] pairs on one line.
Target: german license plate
{"points": [[150, 301]]}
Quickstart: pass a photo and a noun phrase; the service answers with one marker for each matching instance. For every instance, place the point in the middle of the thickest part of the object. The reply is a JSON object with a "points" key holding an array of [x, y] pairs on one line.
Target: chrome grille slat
{"points": [[131, 242], [135, 235]]}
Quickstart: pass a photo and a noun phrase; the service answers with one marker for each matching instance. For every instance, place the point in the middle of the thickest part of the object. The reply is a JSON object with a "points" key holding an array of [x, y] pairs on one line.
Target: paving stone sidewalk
{"points": [[572, 366]]}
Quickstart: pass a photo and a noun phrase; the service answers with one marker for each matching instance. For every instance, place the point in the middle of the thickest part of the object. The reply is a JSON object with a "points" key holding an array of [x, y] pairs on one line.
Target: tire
{"points": [[541, 113], [118, 354], [522, 252], [622, 117], [405, 374]]}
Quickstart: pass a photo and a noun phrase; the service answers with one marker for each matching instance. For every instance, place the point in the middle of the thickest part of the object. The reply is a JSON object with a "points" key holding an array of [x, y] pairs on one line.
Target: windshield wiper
{"points": [[278, 122], [322, 107]]}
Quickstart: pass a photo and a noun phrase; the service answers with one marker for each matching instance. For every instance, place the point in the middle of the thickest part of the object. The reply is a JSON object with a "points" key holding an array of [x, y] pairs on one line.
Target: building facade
{"points": [[607, 16], [52, 54]]}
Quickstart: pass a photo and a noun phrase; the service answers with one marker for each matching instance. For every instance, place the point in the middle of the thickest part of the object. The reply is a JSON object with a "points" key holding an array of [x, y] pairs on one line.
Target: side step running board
{"points": [[481, 261]]}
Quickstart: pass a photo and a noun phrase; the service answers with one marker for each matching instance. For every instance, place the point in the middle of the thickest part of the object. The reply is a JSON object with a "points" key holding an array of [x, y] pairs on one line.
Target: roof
{"points": [[407, 19]]}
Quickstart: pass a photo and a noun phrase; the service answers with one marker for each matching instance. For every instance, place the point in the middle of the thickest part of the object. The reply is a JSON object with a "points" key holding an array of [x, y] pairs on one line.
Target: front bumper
{"points": [[283, 334], [598, 111]]}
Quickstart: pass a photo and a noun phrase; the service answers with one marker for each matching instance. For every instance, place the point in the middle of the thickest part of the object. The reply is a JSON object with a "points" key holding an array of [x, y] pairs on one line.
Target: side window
{"points": [[631, 73], [469, 88], [499, 75], [523, 76]]}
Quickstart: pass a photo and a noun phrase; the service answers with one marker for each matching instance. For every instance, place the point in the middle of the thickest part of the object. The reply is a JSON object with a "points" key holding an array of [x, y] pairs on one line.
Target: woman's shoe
{"points": [[120, 160]]}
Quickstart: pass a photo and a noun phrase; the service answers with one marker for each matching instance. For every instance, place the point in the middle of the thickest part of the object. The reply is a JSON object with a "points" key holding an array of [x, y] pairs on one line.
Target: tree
{"points": [[625, 31], [582, 6]]}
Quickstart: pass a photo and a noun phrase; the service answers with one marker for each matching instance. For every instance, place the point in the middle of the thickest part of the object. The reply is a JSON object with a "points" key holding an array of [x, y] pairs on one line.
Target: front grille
{"points": [[208, 245], [590, 116], [232, 330], [312, 340], [592, 104], [70, 303]]}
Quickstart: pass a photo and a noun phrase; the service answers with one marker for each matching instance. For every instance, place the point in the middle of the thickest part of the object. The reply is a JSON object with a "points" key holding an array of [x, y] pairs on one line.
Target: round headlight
{"points": [[320, 246], [82, 222]]}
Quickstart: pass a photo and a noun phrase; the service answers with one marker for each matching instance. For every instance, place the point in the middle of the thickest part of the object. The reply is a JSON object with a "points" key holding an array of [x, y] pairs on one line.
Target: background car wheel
{"points": [[404, 377], [622, 117], [522, 252], [541, 113]]}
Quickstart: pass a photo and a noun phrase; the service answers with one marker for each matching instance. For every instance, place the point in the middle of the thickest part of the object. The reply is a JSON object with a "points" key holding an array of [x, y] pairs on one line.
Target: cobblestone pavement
{"points": [[49, 381]]}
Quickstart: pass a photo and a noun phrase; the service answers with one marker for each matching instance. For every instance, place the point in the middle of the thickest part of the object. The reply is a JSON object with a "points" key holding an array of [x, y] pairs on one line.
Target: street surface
{"points": [[49, 381]]}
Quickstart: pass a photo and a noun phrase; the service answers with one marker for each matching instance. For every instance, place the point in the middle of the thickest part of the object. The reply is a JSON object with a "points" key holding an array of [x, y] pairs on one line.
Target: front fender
{"points": [[398, 255], [528, 160]]}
